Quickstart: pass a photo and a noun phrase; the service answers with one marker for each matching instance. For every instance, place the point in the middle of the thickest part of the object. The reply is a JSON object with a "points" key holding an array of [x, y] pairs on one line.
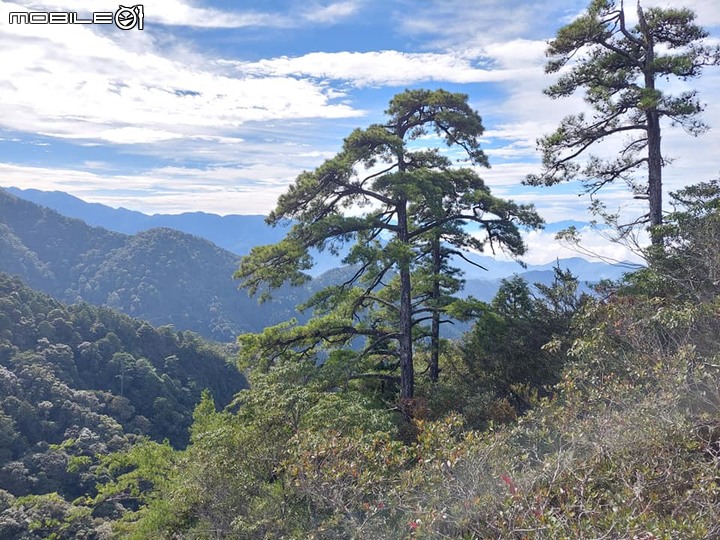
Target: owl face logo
{"points": [[127, 18]]}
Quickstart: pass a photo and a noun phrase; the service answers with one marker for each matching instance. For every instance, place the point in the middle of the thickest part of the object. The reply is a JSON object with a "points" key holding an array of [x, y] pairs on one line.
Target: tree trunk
{"points": [[407, 370], [654, 172], [652, 117], [435, 329]]}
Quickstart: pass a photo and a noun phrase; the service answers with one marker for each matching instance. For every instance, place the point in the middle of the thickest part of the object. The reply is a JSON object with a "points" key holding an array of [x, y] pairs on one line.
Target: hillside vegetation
{"points": [[79, 382], [626, 445]]}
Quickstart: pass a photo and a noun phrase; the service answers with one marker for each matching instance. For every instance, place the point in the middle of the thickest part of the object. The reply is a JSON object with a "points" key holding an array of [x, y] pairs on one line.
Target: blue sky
{"points": [[218, 105]]}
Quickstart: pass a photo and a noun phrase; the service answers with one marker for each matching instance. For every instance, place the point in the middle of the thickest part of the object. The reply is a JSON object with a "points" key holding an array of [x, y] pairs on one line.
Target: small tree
{"points": [[410, 193], [687, 265], [619, 68], [437, 280], [519, 343]]}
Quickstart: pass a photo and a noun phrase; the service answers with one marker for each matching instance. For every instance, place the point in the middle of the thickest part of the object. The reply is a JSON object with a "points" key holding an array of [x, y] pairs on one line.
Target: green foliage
{"points": [[78, 383], [49, 516], [687, 264], [514, 354], [619, 68], [237, 476], [418, 198], [346, 477], [129, 471], [98, 362], [626, 443]]}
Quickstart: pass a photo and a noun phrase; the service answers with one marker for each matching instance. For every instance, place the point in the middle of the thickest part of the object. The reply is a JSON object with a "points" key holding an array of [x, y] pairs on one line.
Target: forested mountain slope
{"points": [[91, 379], [169, 277], [236, 233], [160, 275]]}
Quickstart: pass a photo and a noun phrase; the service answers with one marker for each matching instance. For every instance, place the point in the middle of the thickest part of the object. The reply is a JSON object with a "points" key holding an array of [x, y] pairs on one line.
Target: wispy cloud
{"points": [[707, 11], [330, 13], [223, 190], [81, 84], [453, 23], [383, 68], [543, 248], [193, 14]]}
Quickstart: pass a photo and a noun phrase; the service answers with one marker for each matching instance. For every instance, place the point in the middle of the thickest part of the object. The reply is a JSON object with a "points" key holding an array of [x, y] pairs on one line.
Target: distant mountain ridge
{"points": [[167, 276], [235, 233], [239, 233], [161, 275]]}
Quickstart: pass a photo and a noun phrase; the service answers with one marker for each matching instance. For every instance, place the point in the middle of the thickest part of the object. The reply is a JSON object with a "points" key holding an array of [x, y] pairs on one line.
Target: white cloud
{"points": [[517, 53], [512, 61], [385, 68], [177, 12], [543, 248], [78, 83], [222, 190], [95, 165], [503, 175], [75, 82], [453, 24], [707, 11], [555, 204], [235, 201], [330, 13], [134, 135], [456, 24]]}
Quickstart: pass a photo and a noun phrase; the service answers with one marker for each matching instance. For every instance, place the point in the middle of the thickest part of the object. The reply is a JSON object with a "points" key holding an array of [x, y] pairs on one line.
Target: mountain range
{"points": [[228, 232], [240, 233], [160, 275], [177, 269]]}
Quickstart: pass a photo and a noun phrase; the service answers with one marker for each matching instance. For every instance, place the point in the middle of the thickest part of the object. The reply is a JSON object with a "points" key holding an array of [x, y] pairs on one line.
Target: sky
{"points": [[218, 105]]}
